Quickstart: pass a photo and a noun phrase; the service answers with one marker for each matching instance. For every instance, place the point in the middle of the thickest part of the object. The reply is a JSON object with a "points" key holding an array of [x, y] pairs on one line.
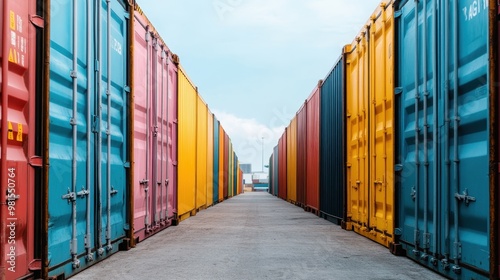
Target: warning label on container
{"points": [[18, 42], [10, 135], [19, 137]]}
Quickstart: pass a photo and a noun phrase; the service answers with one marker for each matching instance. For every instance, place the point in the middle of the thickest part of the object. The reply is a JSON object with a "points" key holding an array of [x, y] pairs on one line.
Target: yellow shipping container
{"points": [[186, 184], [291, 165], [221, 163], [210, 159], [370, 142], [201, 154]]}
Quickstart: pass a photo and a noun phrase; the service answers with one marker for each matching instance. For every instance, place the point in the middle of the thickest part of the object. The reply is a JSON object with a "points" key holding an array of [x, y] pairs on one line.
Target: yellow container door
{"points": [[201, 155]]}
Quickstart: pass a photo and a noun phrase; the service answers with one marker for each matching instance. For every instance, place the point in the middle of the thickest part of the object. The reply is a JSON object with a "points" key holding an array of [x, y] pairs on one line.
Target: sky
{"points": [[255, 62]]}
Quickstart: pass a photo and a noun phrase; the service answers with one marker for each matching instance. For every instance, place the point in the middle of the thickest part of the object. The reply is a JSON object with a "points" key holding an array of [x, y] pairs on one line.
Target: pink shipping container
{"points": [[18, 155], [313, 113], [155, 131]]}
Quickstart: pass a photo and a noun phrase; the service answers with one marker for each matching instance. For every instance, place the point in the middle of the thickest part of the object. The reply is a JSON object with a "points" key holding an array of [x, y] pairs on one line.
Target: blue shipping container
{"points": [[332, 193], [216, 160], [88, 134], [443, 140]]}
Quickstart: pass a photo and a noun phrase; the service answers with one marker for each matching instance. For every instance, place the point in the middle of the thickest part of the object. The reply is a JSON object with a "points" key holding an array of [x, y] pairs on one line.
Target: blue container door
{"points": [[216, 161], [443, 140], [87, 135]]}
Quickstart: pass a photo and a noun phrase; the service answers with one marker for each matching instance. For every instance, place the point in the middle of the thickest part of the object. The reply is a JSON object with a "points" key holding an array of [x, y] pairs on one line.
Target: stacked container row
{"points": [[408, 136], [89, 144]]}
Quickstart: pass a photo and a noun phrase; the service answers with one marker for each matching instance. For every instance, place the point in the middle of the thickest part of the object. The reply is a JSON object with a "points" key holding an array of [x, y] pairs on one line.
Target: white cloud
{"points": [[246, 136]]}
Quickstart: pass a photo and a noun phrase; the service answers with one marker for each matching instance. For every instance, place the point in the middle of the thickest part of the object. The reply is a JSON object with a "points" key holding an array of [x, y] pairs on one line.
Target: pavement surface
{"points": [[256, 236]]}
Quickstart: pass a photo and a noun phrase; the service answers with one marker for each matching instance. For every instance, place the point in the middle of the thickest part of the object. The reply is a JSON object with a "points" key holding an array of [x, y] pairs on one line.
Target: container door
{"points": [[357, 135], [216, 160], [142, 128], [381, 135], [87, 135], [171, 141], [18, 160], [444, 145]]}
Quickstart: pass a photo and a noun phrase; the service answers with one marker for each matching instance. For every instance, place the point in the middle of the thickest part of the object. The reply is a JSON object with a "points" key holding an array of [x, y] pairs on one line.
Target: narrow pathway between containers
{"points": [[256, 236]]}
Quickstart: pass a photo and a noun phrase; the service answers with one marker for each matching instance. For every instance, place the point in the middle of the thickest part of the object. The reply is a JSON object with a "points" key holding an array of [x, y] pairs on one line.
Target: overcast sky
{"points": [[256, 61]]}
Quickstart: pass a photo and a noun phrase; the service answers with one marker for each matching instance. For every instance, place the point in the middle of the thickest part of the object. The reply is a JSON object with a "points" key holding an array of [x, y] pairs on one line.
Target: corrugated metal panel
{"points": [[271, 174], [370, 65], [221, 162], [443, 137], [332, 142], [282, 166], [201, 154], [226, 165], [152, 135], [312, 159], [19, 141], [276, 170], [88, 135], [210, 159], [216, 159], [291, 161], [230, 170], [302, 155], [172, 141], [187, 136], [235, 175]]}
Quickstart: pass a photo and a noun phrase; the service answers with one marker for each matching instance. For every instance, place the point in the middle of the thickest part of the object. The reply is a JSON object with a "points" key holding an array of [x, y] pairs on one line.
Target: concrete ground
{"points": [[256, 236]]}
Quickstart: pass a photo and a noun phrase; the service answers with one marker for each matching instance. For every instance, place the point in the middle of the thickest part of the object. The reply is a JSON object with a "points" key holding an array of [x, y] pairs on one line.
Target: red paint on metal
{"points": [[312, 160], [302, 155], [18, 57], [282, 174]]}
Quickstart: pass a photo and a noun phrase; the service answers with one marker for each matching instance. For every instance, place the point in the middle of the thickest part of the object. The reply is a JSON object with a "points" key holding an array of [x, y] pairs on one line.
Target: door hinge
{"points": [[37, 21], [398, 167], [126, 164], [36, 161], [398, 90]]}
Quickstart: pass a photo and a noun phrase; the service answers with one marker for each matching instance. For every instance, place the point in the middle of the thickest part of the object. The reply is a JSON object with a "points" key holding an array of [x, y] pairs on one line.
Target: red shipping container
{"points": [[312, 160], [282, 174], [155, 139], [18, 156], [302, 155]]}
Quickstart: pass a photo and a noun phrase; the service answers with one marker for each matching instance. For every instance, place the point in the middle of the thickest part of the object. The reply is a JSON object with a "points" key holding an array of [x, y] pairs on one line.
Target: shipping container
{"points": [[201, 154], [445, 115], [291, 161], [276, 170], [271, 174], [302, 155], [312, 158], [282, 166], [187, 144], [333, 145], [87, 213], [240, 182], [216, 156], [235, 175], [370, 141], [20, 140], [210, 159], [230, 171], [155, 91], [222, 138], [225, 173]]}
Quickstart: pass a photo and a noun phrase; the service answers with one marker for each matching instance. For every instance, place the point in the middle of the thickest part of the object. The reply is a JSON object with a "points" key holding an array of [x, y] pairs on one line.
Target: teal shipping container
{"points": [[445, 137], [216, 160], [87, 180]]}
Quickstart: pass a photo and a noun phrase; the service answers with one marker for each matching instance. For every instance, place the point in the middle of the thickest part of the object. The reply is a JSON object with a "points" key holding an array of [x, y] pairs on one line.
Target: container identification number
{"points": [[117, 46], [11, 219], [474, 9]]}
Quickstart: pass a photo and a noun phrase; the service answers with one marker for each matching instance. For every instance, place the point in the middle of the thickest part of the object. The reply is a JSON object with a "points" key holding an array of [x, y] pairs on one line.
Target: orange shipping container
{"points": [[291, 151]]}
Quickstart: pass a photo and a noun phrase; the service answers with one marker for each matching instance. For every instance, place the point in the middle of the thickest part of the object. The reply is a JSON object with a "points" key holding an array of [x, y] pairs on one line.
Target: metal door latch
{"points": [[113, 191], [413, 193], [70, 196], [83, 192], [465, 197]]}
